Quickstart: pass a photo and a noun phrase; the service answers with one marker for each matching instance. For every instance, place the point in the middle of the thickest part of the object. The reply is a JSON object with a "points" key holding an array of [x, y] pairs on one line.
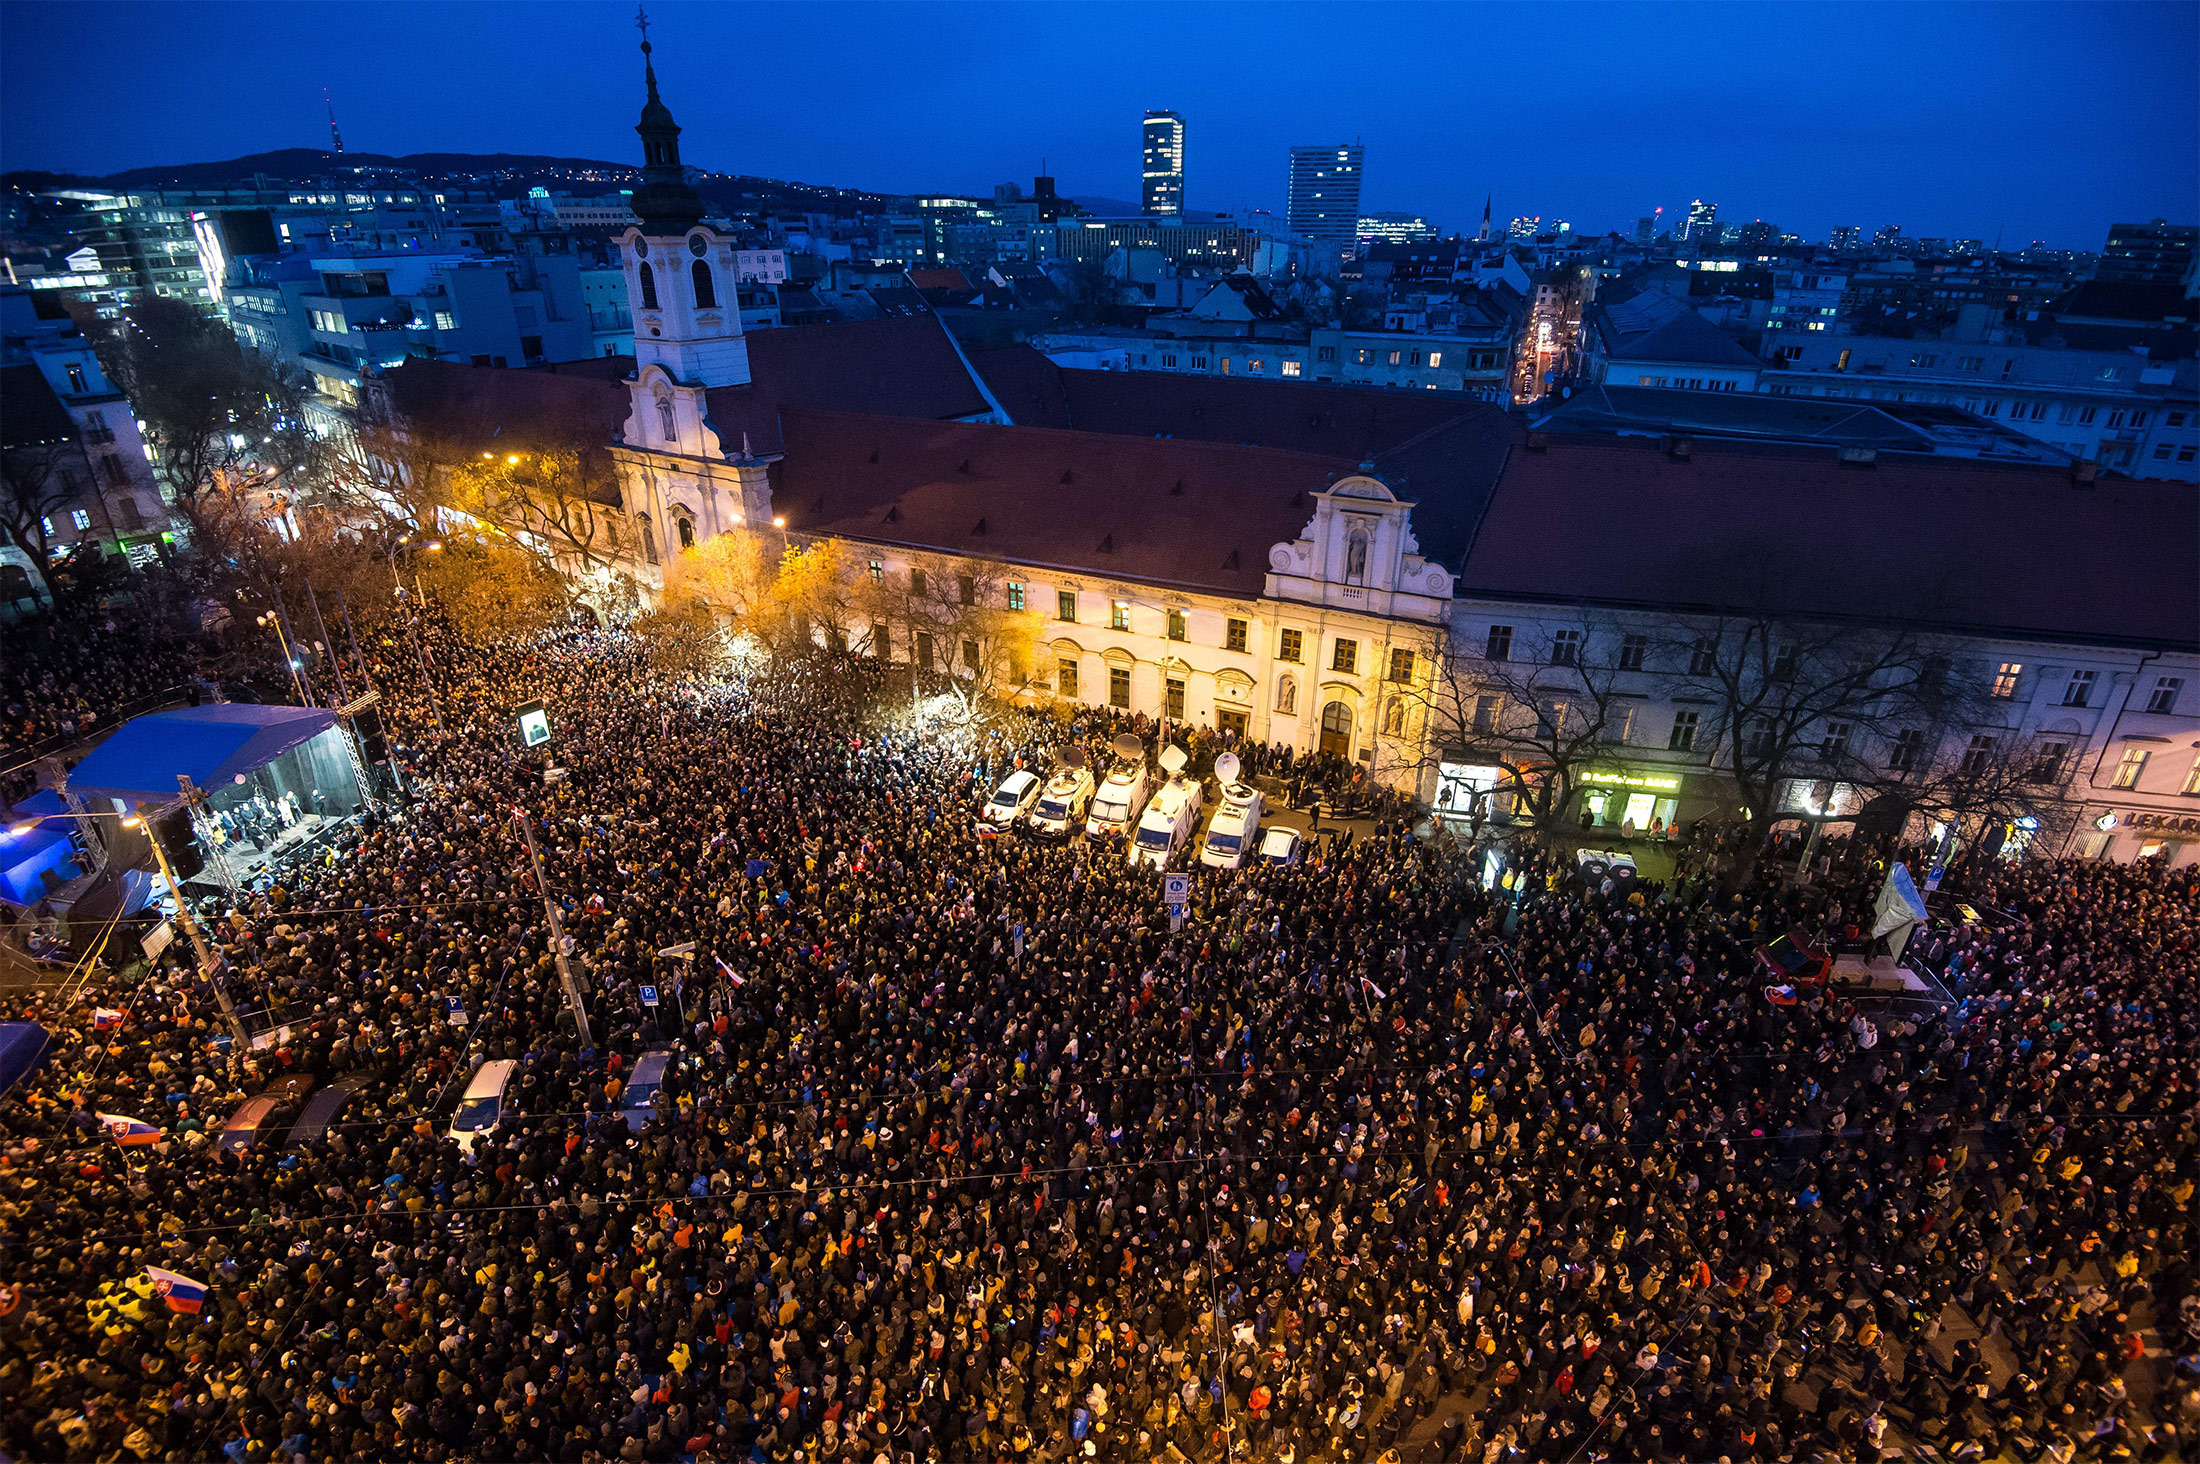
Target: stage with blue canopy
{"points": [[212, 746]]}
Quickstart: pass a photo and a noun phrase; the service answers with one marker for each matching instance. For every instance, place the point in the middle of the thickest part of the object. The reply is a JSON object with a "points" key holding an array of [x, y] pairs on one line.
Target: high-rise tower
{"points": [[1323, 203], [1163, 162]]}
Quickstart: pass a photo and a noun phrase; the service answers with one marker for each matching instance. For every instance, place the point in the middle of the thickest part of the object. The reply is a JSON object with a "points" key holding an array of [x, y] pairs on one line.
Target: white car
{"points": [[481, 1109], [1171, 819], [1121, 796], [1235, 829], [1062, 802], [1280, 845], [1018, 791]]}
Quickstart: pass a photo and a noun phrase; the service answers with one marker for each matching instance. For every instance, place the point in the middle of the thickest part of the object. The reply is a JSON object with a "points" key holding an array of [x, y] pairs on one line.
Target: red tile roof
{"points": [[1967, 545], [1191, 514], [892, 367]]}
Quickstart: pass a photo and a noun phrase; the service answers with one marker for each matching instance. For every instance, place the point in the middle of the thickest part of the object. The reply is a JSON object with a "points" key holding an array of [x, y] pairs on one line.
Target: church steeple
{"points": [[666, 203]]}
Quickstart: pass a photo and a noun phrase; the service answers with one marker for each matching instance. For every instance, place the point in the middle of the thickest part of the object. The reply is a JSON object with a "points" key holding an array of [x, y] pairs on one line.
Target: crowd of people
{"points": [[963, 1153]]}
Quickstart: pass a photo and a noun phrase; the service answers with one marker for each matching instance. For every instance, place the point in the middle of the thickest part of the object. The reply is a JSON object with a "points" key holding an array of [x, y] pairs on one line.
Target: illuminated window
{"points": [[1015, 594], [1233, 635], [878, 570], [1291, 368], [1436, 358], [2192, 778], [1119, 615], [445, 320], [1346, 657], [1178, 628], [1288, 645], [2130, 766], [2005, 679], [1401, 664]]}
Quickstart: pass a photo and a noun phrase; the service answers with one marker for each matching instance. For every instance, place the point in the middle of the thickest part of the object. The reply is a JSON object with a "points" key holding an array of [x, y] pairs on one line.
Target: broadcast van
{"points": [[1172, 818], [1121, 796], [1234, 832]]}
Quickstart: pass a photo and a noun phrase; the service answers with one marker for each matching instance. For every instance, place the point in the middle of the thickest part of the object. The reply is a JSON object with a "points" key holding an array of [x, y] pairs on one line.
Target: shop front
{"points": [[2143, 834], [1630, 800], [1465, 787]]}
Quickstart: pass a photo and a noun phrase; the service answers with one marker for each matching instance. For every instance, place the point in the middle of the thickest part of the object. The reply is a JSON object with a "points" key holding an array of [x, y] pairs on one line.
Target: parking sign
{"points": [[1176, 889], [454, 1011], [649, 996]]}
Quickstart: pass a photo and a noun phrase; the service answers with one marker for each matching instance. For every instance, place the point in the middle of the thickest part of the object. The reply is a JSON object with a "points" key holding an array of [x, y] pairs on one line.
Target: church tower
{"points": [[681, 289]]}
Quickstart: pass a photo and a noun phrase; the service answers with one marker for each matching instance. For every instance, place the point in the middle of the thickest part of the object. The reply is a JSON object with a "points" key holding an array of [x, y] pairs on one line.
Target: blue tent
{"points": [[209, 745]]}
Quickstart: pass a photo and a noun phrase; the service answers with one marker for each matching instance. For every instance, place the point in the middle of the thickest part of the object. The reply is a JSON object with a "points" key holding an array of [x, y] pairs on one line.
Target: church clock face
{"points": [[698, 245]]}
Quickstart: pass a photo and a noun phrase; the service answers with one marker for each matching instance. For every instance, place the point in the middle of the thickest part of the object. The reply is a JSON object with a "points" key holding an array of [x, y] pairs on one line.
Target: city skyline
{"points": [[1879, 131]]}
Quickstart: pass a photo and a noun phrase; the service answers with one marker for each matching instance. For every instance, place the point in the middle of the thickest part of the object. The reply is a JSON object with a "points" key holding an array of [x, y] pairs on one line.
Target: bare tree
{"points": [[558, 503], [1542, 712], [37, 482]]}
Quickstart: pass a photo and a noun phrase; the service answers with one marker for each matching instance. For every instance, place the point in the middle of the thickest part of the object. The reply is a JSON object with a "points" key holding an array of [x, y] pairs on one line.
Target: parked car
{"points": [[1018, 791], [1064, 801], [1281, 845], [323, 1107], [1121, 796], [481, 1108], [259, 1115], [1234, 831], [1172, 818], [638, 1099]]}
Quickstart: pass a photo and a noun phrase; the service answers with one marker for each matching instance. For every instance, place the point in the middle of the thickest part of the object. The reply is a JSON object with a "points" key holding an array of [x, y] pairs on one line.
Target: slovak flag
{"points": [[1380, 994], [128, 1131], [731, 974], [105, 1017], [183, 1294], [1780, 995]]}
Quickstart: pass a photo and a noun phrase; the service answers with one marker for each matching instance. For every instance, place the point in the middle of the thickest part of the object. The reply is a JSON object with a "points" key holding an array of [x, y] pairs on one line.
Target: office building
{"points": [[1397, 228], [1323, 201], [1163, 161], [2156, 253], [1845, 238], [1702, 225]]}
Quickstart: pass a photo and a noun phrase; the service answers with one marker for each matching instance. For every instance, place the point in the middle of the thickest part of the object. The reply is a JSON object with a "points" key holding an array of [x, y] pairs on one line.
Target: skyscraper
{"points": [[2157, 253], [1845, 237], [1702, 222], [1164, 164], [1323, 202]]}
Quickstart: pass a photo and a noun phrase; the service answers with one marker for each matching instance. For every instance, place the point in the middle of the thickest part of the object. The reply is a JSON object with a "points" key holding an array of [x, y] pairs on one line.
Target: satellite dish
{"points": [[1173, 759], [1226, 768], [1127, 746], [1072, 756]]}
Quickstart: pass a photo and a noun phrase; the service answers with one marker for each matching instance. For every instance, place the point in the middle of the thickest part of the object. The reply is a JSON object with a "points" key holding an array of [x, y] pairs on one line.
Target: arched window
{"points": [[1287, 697], [649, 536], [1355, 559], [706, 290], [666, 422], [687, 531], [649, 287]]}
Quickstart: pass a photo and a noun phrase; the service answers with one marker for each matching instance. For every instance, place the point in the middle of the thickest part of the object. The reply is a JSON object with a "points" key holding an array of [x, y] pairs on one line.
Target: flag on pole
{"points": [[181, 1292], [128, 1131], [1380, 994], [731, 974]]}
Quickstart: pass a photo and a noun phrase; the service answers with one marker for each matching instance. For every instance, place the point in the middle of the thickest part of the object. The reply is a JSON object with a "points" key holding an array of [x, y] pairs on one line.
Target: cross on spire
{"points": [[649, 68]]}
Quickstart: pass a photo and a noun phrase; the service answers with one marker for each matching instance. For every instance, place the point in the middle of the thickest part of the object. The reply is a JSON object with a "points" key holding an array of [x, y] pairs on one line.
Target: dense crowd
{"points": [[964, 1154]]}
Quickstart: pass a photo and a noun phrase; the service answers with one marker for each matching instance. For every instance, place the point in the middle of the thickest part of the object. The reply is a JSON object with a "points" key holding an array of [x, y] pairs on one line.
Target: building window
{"points": [[1119, 687], [1401, 664], [2048, 766], [1015, 594], [970, 655], [1684, 731], [1702, 658], [1065, 605], [1288, 645], [1908, 750], [82, 518], [1783, 664], [878, 570], [2164, 697], [1235, 634], [1287, 697], [2080, 690], [706, 289], [1622, 731], [1435, 358], [1178, 628], [1835, 741], [1326, 353], [1173, 698], [1346, 657], [445, 320], [1065, 677], [1632, 650], [1566, 648], [1499, 647], [2005, 679], [1292, 368], [916, 582], [2192, 778], [110, 467], [1119, 615], [882, 640], [1978, 754], [924, 649], [966, 589], [1551, 720], [1485, 712], [1394, 357], [2130, 766], [649, 286], [76, 380]]}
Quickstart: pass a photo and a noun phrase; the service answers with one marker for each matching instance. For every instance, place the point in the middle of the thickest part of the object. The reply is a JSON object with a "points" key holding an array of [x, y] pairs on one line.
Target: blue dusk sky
{"points": [[1982, 120]]}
